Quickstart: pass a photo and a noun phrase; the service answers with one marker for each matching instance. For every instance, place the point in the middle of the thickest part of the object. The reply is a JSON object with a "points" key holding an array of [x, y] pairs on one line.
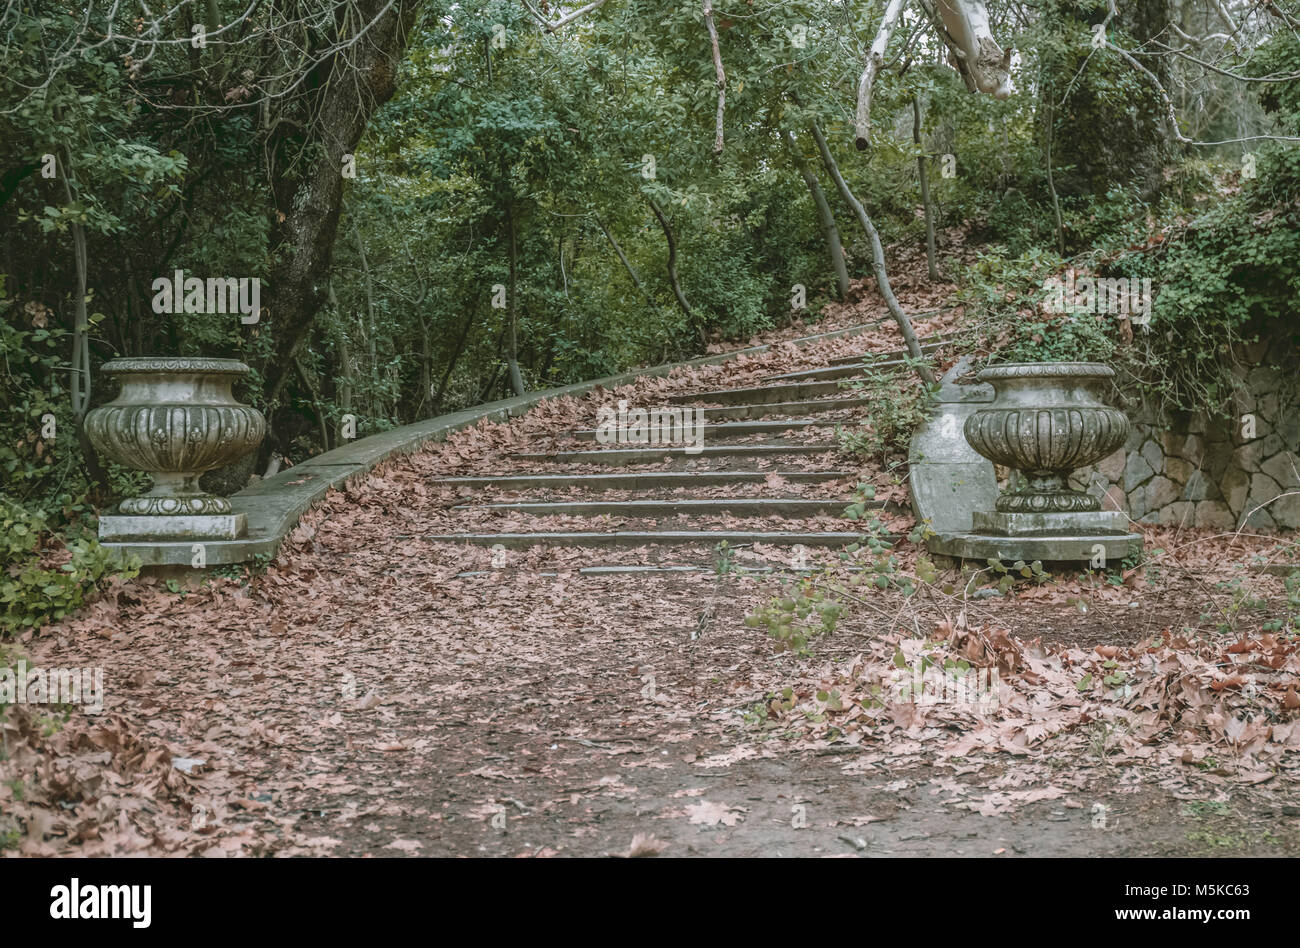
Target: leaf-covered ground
{"points": [[364, 696]]}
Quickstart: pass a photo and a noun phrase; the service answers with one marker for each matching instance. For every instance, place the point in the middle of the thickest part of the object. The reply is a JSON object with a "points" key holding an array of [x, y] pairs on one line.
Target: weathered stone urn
{"points": [[1047, 419], [174, 418]]}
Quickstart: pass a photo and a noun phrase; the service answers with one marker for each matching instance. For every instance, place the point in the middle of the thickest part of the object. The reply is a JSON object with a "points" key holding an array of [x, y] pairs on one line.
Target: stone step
{"points": [[762, 410], [658, 509], [879, 359], [621, 456], [636, 570], [760, 394], [732, 429], [645, 480], [738, 412], [831, 373], [928, 344], [624, 538]]}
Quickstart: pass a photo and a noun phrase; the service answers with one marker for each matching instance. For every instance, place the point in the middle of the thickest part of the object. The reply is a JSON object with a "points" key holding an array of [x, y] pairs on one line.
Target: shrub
{"points": [[34, 587]]}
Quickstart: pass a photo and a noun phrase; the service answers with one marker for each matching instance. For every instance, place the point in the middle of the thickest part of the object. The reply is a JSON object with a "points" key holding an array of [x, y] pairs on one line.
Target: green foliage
{"points": [[725, 564], [43, 472], [33, 590], [1289, 622], [863, 494], [1007, 294], [806, 609], [1226, 280], [1007, 577], [897, 405], [767, 712], [29, 396], [814, 605]]}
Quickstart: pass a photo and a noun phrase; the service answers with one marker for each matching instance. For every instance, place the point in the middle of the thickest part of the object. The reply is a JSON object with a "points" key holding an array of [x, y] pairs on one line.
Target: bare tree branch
{"points": [[564, 20], [1172, 116], [875, 59], [877, 256], [717, 68]]}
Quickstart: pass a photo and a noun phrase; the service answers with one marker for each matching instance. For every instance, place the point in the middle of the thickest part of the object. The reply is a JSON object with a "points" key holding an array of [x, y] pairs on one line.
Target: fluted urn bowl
{"points": [[175, 418], [1047, 419]]}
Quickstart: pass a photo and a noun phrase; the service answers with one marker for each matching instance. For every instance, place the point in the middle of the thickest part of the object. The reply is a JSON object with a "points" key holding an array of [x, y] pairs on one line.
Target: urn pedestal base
{"points": [[1073, 548], [1095, 536], [1085, 524], [124, 528]]}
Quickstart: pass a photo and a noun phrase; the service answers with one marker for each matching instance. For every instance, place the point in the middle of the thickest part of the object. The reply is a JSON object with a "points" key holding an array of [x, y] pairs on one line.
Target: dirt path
{"points": [[388, 688]]}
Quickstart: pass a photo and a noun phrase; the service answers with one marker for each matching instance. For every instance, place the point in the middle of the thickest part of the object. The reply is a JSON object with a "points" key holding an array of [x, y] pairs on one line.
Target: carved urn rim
{"points": [[1045, 370], [198, 365]]}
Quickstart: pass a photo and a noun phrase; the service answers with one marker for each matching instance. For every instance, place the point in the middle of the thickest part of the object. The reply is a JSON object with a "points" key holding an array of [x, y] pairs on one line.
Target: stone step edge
{"points": [[609, 455], [776, 506], [636, 570], [643, 538], [936, 340], [831, 386], [761, 409], [726, 428], [667, 477]]}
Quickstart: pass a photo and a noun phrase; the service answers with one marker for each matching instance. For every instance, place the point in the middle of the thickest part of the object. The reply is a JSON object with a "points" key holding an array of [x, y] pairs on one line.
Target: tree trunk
{"points": [[672, 266], [80, 378], [923, 175], [426, 368], [512, 331], [1103, 140], [314, 389], [1050, 121], [369, 287], [451, 363], [345, 382], [829, 229], [627, 265], [877, 255], [306, 173], [494, 372]]}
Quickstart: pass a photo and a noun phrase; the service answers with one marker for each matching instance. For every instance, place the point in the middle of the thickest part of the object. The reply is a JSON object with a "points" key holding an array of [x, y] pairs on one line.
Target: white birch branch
{"points": [[717, 68], [875, 59], [564, 20]]}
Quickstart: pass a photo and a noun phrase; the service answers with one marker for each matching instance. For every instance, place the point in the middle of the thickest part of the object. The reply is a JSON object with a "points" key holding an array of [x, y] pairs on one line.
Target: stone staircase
{"points": [[769, 472]]}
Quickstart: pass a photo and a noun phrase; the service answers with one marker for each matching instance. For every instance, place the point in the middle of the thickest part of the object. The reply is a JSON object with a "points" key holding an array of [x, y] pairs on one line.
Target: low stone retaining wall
{"points": [[1190, 469]]}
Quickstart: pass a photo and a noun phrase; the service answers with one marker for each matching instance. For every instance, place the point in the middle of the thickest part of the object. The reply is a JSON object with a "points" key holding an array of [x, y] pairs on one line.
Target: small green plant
{"points": [[893, 411], [1017, 572], [1242, 601], [1205, 809], [863, 495], [33, 591], [1102, 737], [804, 611], [762, 712], [921, 532], [725, 554], [1287, 622]]}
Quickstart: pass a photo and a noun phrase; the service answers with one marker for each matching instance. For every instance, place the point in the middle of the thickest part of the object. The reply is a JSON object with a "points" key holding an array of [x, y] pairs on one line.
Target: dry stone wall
{"points": [[1185, 468]]}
